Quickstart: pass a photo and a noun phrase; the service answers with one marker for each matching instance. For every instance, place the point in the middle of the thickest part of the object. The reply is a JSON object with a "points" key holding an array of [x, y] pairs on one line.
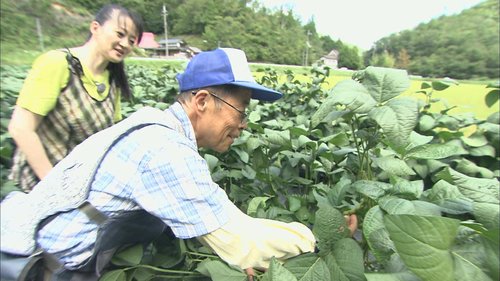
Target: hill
{"points": [[461, 46]]}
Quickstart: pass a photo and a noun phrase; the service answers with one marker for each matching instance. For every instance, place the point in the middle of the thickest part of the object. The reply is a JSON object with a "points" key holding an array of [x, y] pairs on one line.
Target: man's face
{"points": [[224, 119]]}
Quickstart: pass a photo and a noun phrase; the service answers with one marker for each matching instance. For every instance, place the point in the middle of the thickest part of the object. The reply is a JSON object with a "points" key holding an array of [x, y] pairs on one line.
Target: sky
{"points": [[363, 22]]}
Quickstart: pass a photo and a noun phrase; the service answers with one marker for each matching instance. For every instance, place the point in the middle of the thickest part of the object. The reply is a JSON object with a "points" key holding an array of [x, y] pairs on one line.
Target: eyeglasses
{"points": [[243, 115]]}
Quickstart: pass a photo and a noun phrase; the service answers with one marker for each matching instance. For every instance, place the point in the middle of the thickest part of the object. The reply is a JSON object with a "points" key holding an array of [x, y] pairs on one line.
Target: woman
{"points": [[71, 94]]}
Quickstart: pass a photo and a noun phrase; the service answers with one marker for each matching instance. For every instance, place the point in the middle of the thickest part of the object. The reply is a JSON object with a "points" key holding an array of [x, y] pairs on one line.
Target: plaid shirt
{"points": [[153, 168]]}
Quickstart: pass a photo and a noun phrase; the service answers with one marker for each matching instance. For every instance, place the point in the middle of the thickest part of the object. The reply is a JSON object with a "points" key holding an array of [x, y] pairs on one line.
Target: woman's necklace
{"points": [[101, 87]]}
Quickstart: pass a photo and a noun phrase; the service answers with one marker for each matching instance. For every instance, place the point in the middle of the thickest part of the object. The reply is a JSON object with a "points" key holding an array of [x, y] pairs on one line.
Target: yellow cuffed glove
{"points": [[249, 242]]}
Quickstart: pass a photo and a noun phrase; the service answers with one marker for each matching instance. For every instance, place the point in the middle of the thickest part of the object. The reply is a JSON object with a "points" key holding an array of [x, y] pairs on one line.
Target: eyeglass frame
{"points": [[243, 115]]}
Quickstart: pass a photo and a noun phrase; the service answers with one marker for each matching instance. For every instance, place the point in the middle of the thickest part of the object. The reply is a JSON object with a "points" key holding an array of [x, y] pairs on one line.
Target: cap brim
{"points": [[259, 92]]}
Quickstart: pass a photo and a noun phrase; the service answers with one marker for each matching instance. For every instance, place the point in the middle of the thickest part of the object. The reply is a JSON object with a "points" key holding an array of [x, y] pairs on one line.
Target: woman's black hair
{"points": [[117, 73]]}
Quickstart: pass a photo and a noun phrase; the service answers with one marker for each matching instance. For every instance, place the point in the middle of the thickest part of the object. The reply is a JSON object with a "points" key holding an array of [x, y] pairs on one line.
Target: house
{"points": [[148, 43], [332, 59], [177, 48]]}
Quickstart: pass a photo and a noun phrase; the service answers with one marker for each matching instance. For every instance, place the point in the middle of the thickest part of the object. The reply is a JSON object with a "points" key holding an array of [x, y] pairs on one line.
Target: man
{"points": [[150, 162]]}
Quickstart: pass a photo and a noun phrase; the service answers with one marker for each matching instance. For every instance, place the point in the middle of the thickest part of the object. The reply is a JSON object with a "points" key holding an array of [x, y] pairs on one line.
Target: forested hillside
{"points": [[459, 46], [462, 46]]}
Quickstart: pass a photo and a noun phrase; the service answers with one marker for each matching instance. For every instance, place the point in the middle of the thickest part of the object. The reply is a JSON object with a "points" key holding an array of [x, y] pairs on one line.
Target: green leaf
{"points": [[393, 166], [397, 118], [115, 275], [372, 189], [426, 123], [384, 84], [492, 97], [443, 84], [281, 138], [212, 161], [398, 276], [396, 206], [477, 189], [475, 140], [329, 226], [308, 267], [417, 139], [486, 150], [255, 204], [277, 272], [294, 203], [492, 255], [449, 198], [129, 256], [376, 234], [346, 261], [424, 244], [469, 265], [219, 271], [470, 168], [406, 189], [488, 214], [432, 151], [353, 95]]}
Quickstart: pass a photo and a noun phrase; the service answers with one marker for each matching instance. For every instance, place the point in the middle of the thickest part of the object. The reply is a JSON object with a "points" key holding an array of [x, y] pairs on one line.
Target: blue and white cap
{"points": [[220, 67]]}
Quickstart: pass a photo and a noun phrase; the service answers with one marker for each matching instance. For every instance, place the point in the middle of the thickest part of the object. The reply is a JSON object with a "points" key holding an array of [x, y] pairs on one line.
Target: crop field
{"points": [[422, 180]]}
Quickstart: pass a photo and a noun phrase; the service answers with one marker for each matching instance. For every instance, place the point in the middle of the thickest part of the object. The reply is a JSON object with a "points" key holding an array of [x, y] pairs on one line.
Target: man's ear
{"points": [[200, 100]]}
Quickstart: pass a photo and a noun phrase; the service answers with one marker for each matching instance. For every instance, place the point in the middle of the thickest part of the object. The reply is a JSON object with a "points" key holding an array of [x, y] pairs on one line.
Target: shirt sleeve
{"points": [[252, 242], [41, 88]]}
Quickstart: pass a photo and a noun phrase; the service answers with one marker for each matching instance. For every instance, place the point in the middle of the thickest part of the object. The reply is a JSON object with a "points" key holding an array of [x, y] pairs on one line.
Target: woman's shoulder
{"points": [[53, 58]]}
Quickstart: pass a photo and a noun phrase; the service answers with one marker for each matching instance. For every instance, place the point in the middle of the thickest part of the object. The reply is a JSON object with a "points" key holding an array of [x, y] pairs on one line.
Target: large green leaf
{"points": [[280, 138], [346, 261], [393, 166], [324, 110], [477, 189], [376, 234], [219, 271], [397, 118], [308, 267], [329, 226], [424, 244], [471, 261], [488, 214], [372, 189], [406, 189], [449, 198], [384, 84], [277, 272], [353, 95], [433, 151]]}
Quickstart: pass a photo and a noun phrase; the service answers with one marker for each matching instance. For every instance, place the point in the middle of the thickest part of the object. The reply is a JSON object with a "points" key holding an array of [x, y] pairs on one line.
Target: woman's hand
{"points": [[352, 223]]}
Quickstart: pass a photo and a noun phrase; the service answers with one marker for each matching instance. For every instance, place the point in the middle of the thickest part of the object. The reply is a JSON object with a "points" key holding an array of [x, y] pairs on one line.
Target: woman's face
{"points": [[115, 37]]}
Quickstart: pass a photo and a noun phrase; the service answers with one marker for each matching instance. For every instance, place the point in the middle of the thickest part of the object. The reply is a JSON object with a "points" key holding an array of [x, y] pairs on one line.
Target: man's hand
{"points": [[250, 273]]}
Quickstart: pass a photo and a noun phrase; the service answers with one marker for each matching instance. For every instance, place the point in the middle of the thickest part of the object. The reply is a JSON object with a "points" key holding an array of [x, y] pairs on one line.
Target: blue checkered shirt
{"points": [[154, 168]]}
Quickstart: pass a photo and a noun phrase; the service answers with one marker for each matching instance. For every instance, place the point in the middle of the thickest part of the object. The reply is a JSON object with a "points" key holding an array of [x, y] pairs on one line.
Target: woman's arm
{"points": [[22, 128]]}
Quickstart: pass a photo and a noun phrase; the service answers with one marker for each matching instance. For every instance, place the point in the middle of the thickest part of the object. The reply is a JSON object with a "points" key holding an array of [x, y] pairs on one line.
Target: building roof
{"points": [[148, 41], [333, 55]]}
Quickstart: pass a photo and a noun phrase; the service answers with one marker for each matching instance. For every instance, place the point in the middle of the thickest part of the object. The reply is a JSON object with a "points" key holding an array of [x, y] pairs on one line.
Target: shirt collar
{"points": [[178, 111]]}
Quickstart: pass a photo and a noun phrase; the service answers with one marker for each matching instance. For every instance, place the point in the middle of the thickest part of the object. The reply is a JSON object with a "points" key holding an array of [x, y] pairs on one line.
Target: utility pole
{"points": [[165, 27], [40, 35], [308, 45]]}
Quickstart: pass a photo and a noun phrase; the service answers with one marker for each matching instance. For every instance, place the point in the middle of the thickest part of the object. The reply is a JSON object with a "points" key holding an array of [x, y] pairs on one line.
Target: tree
{"points": [[403, 59]]}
